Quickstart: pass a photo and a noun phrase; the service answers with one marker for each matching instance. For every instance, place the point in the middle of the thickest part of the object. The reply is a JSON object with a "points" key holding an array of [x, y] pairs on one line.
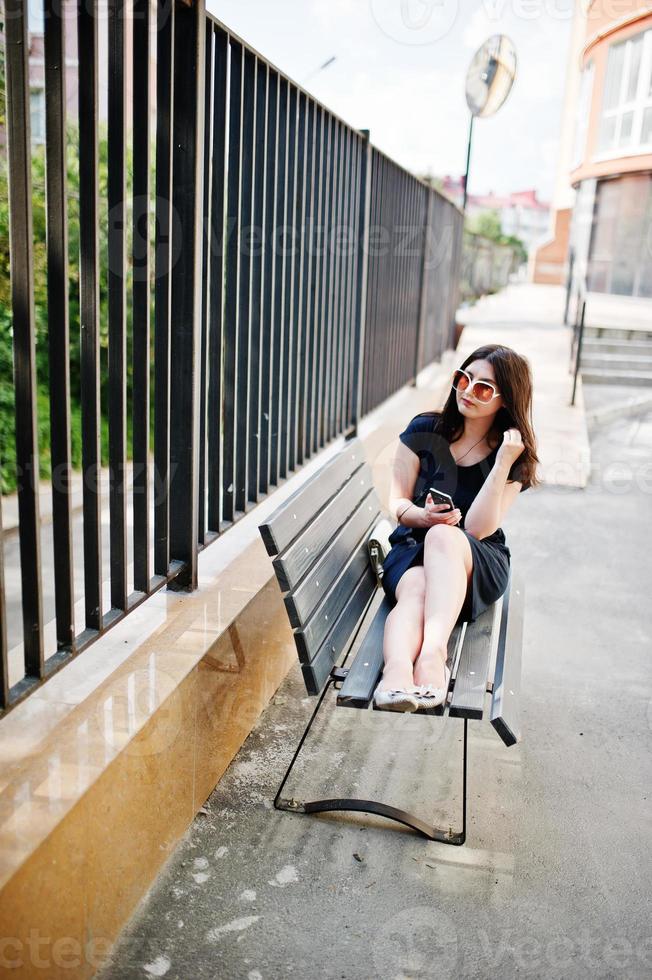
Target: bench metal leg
{"points": [[372, 806]]}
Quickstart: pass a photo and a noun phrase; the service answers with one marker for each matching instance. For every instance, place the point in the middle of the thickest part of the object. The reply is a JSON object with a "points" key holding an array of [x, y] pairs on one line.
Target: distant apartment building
{"points": [[603, 209], [521, 214]]}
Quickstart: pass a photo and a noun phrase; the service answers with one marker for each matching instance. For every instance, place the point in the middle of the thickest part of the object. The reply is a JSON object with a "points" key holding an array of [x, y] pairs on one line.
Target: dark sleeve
{"points": [[516, 473], [418, 436]]}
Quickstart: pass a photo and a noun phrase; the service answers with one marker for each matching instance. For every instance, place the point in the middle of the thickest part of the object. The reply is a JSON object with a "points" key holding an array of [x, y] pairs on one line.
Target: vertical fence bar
{"points": [[378, 336], [243, 380], [141, 293], [423, 288], [307, 279], [295, 456], [117, 386], [58, 323], [311, 277], [279, 282], [24, 329], [89, 301], [288, 283], [320, 266], [268, 278], [189, 35], [325, 433], [163, 283], [217, 257], [231, 319], [336, 325], [373, 336], [350, 271], [362, 281], [258, 364], [207, 156], [396, 283], [352, 283]]}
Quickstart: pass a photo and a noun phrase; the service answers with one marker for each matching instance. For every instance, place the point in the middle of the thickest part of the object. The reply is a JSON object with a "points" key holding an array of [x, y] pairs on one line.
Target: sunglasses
{"points": [[482, 391]]}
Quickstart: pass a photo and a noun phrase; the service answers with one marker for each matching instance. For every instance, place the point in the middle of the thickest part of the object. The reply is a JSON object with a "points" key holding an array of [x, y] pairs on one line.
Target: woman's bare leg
{"points": [[403, 636], [448, 565]]}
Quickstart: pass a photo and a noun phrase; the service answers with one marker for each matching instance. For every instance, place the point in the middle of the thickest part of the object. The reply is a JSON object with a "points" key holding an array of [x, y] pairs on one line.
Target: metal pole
{"points": [[578, 353], [468, 162]]}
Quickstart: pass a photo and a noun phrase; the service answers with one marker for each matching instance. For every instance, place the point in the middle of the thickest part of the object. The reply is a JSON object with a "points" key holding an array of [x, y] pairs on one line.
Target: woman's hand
{"points": [[439, 513], [511, 447]]}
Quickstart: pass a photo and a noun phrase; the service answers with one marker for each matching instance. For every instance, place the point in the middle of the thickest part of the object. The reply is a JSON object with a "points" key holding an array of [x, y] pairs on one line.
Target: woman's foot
{"points": [[430, 668]]}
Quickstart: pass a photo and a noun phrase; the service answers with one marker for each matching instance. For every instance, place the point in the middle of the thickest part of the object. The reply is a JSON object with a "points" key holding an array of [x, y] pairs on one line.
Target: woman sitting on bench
{"points": [[446, 566]]}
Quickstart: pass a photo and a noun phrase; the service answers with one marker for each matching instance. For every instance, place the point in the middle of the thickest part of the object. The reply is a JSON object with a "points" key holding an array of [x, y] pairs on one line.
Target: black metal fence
{"points": [[276, 280], [486, 266]]}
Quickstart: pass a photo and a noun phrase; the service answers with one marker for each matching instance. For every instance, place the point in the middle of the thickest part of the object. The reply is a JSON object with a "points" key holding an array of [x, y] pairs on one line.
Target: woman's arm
{"points": [[405, 470], [496, 496]]}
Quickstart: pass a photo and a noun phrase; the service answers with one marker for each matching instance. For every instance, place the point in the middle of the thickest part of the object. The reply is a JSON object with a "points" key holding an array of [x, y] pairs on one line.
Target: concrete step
{"points": [[616, 362], [598, 345], [603, 376], [618, 333]]}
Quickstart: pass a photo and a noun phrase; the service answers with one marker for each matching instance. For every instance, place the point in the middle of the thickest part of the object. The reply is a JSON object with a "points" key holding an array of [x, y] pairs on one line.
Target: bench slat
{"points": [[505, 715], [311, 636], [302, 603], [473, 668], [362, 678], [283, 525], [327, 541], [316, 673]]}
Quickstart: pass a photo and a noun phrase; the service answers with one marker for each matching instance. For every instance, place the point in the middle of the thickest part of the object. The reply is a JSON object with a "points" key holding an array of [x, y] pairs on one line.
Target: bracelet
{"points": [[403, 512]]}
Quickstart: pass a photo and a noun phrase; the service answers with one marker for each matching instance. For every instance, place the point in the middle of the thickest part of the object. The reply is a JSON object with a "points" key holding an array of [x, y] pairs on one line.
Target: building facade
{"points": [[607, 155]]}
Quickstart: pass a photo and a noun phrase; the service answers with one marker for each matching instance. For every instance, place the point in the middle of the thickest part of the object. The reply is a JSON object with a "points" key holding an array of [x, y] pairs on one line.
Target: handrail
{"points": [[578, 335]]}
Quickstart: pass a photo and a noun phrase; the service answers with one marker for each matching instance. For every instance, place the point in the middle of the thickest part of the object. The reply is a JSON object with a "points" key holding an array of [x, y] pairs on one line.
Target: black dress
{"points": [[491, 556]]}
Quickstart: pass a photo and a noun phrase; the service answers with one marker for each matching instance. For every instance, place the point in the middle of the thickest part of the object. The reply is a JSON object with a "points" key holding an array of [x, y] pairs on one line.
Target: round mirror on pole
{"points": [[489, 80]]}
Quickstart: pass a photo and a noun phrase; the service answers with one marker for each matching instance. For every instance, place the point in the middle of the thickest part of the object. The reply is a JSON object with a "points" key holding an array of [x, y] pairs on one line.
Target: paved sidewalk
{"points": [[554, 879]]}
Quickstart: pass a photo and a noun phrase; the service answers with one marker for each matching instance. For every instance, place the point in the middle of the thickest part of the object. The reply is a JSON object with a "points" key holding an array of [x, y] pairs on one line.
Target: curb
{"points": [[602, 416]]}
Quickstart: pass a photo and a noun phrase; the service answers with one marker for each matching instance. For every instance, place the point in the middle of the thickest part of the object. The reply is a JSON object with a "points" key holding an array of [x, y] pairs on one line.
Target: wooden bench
{"points": [[318, 539]]}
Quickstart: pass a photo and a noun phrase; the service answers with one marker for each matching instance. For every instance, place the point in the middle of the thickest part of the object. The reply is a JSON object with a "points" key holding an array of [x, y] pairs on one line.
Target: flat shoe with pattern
{"points": [[429, 696], [395, 700]]}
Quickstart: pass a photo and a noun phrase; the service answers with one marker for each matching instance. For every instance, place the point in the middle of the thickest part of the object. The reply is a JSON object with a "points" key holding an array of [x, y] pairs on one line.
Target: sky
{"points": [[400, 72]]}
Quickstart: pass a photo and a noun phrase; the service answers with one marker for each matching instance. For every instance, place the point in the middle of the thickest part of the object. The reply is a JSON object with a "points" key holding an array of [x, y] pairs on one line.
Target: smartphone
{"points": [[439, 497]]}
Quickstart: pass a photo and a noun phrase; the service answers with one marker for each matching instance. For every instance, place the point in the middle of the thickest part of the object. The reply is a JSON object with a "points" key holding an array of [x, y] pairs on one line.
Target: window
{"points": [[621, 261], [37, 114], [626, 123]]}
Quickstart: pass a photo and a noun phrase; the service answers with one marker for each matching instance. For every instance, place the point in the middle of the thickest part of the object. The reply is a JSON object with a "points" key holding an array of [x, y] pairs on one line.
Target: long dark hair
{"points": [[514, 380]]}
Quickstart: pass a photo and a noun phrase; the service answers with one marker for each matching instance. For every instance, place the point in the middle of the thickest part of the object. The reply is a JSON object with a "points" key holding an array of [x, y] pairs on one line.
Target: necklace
{"points": [[469, 450]]}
